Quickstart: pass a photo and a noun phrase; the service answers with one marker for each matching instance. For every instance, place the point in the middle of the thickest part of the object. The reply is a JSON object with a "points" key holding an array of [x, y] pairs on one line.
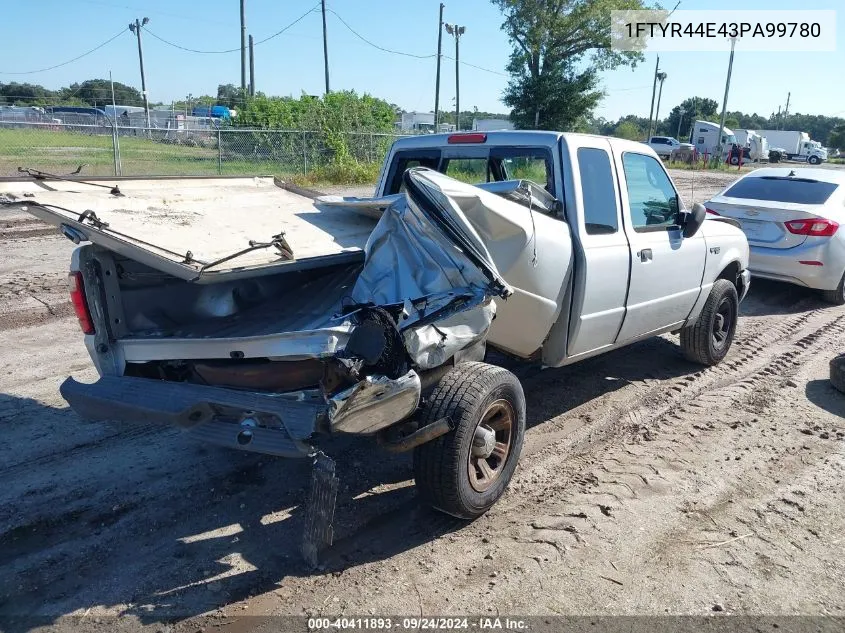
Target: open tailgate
{"points": [[198, 229]]}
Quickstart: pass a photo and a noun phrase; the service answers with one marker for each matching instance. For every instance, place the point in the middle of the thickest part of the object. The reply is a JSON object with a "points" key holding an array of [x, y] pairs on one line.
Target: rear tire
{"points": [[708, 340], [837, 296], [487, 408], [837, 373]]}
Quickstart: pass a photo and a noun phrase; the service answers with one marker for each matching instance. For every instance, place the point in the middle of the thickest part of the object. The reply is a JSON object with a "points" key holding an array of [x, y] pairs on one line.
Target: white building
{"points": [[487, 125]]}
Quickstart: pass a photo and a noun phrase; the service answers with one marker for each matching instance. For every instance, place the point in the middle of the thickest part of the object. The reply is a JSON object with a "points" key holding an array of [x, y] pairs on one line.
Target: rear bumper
{"points": [[275, 424], [237, 419], [783, 264]]}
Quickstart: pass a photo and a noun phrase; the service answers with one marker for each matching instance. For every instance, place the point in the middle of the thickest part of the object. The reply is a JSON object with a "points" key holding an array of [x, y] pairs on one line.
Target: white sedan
{"points": [[792, 218]]}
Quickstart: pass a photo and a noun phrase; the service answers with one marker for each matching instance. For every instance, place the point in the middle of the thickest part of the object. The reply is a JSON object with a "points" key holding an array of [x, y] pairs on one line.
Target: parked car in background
{"points": [[791, 218], [663, 145]]}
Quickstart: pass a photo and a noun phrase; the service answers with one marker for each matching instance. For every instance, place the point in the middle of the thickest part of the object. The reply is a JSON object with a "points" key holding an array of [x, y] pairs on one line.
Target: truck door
{"points": [[666, 268], [602, 257]]}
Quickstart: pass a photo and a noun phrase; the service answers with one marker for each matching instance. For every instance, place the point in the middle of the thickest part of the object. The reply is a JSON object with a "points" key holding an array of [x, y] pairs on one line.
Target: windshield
{"points": [[782, 189]]}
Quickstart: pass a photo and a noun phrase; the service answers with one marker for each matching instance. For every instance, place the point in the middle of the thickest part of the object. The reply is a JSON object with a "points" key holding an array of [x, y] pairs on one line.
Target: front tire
{"points": [[465, 471], [814, 160], [708, 340]]}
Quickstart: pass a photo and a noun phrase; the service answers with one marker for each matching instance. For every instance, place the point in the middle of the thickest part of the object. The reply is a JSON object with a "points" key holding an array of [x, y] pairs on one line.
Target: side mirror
{"points": [[694, 219]]}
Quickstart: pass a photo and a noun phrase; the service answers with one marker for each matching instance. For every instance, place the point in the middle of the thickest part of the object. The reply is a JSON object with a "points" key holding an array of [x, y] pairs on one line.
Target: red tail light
{"points": [[816, 227], [80, 305], [712, 212], [467, 138]]}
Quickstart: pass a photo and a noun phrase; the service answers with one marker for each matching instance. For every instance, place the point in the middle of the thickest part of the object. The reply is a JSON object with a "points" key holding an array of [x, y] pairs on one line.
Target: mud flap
{"points": [[319, 513]]}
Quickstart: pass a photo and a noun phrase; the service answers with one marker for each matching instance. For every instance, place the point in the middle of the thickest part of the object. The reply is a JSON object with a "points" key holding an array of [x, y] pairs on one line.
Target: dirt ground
{"points": [[646, 486]]}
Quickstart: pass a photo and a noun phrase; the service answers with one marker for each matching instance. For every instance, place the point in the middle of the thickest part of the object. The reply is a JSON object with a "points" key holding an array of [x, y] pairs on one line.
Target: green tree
{"points": [[25, 94], [837, 137], [732, 123], [695, 108], [629, 130], [558, 48], [231, 96], [98, 92]]}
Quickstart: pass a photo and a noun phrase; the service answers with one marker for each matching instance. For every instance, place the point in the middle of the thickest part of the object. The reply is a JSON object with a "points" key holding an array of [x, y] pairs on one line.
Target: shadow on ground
{"points": [[191, 544]]}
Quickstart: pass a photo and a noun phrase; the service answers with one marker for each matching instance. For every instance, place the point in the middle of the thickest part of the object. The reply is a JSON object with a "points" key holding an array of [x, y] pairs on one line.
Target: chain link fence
{"points": [[102, 149]]}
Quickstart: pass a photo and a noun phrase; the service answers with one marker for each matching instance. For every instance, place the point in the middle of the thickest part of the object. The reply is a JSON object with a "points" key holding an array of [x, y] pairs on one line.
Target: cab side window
{"points": [[651, 196], [601, 215]]}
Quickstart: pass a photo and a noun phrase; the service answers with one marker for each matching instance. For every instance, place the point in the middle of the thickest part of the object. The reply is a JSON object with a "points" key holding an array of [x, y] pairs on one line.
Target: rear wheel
{"points": [[837, 373], [837, 295], [464, 472], [709, 339]]}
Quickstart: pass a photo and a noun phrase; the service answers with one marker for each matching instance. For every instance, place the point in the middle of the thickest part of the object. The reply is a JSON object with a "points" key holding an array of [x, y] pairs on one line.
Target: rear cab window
{"points": [[782, 189], [499, 163]]}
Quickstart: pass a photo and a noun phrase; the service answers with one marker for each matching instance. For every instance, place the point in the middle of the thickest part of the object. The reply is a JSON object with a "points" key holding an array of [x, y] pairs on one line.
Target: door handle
{"points": [[644, 255]]}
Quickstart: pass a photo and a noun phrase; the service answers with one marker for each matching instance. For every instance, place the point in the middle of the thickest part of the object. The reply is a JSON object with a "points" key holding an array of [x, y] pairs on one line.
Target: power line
{"points": [[487, 70], [403, 53], [70, 61], [296, 21], [231, 50], [190, 50], [381, 48]]}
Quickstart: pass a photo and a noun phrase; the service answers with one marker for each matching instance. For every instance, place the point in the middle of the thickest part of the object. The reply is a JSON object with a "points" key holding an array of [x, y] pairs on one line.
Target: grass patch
{"points": [[350, 173]]}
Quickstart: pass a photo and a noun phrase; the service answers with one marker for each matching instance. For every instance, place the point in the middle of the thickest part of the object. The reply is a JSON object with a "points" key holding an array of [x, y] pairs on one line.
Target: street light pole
{"points": [[681, 112], [135, 27], [457, 31], [725, 101]]}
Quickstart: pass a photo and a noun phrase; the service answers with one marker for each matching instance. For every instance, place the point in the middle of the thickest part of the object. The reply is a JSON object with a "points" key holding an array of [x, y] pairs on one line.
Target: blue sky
{"points": [[35, 35]]}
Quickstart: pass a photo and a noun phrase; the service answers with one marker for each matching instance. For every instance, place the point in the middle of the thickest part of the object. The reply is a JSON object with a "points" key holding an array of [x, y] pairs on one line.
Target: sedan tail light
{"points": [[80, 304], [817, 227]]}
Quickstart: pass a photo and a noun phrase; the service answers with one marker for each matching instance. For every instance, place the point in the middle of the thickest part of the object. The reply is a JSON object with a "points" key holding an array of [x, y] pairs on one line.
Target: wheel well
{"points": [[731, 273]]}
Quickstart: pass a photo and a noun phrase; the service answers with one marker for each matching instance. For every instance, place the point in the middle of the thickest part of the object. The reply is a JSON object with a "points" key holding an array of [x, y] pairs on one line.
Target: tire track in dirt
{"points": [[591, 483]]}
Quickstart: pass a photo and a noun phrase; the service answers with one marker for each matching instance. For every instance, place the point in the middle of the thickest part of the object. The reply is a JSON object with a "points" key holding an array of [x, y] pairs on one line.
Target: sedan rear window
{"points": [[782, 189]]}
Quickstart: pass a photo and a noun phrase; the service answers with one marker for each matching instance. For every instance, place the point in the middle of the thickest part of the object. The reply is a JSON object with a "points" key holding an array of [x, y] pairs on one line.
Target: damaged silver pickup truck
{"points": [[256, 318]]}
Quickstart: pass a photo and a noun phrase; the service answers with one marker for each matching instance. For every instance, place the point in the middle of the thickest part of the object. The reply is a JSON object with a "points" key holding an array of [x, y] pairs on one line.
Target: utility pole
{"points": [[437, 81], [786, 109], [662, 78], [251, 67], [653, 90], [325, 47], [725, 101], [243, 47], [681, 112], [135, 27], [457, 31]]}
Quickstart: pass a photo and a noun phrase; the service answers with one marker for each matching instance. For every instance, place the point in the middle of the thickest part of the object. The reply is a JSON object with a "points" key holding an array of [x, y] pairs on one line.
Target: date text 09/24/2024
{"points": [[485, 623]]}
